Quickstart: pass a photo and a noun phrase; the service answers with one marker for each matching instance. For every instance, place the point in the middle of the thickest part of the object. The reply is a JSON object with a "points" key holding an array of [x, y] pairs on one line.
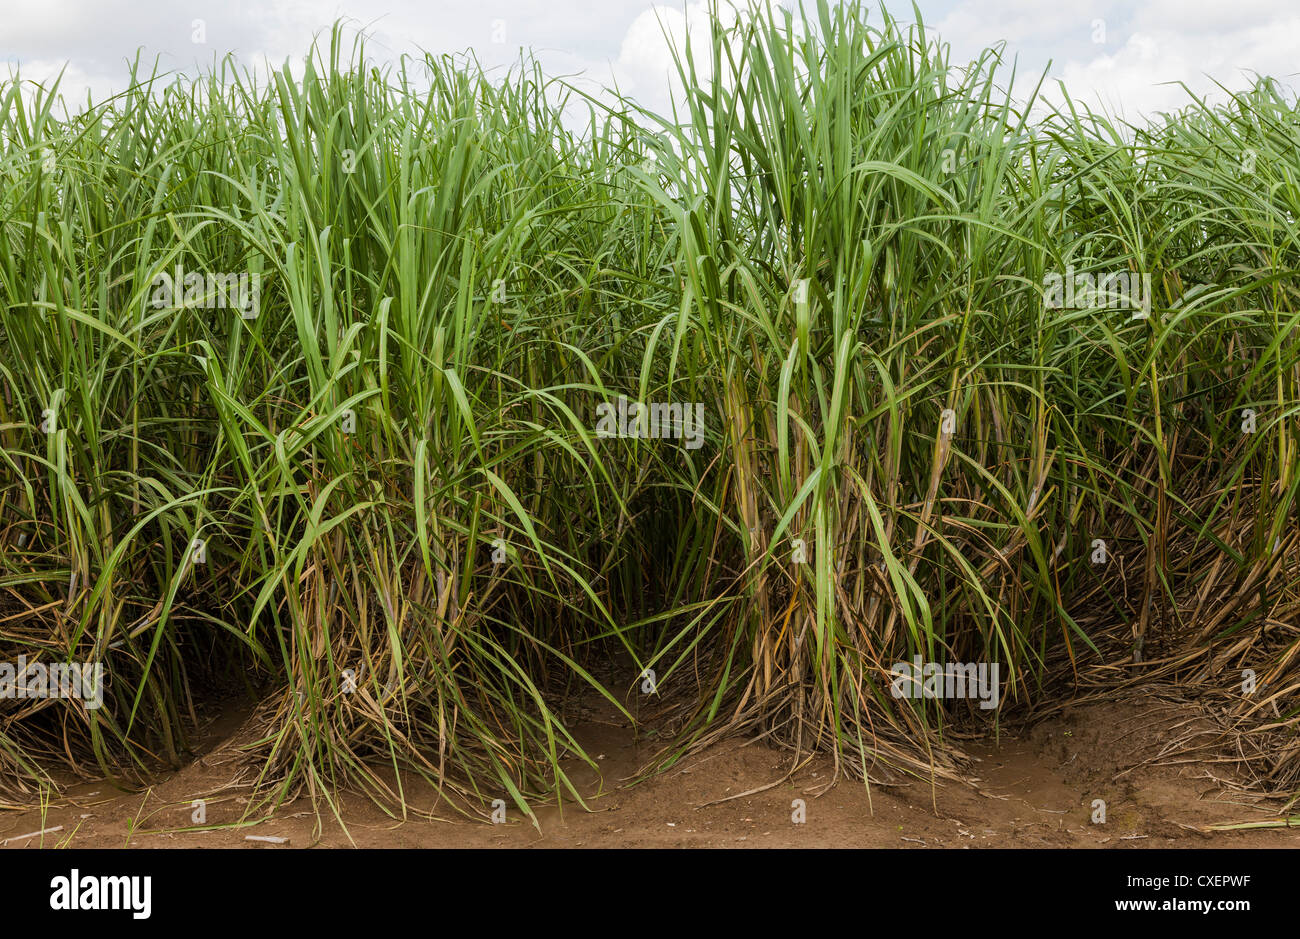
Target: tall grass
{"points": [[418, 548]]}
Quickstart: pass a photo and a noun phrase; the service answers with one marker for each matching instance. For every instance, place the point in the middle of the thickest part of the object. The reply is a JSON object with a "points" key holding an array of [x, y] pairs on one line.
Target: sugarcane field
{"points": [[787, 425]]}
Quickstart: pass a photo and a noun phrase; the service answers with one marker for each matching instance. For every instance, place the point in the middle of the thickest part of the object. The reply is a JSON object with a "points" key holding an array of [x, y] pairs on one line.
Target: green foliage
{"points": [[839, 237]]}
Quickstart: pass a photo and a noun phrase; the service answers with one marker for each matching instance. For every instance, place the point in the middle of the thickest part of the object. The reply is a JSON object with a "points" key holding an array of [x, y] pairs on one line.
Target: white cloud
{"points": [[1148, 45]]}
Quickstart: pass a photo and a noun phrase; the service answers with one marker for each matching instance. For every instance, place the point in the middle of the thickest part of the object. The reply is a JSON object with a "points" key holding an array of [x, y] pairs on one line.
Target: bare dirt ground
{"points": [[1032, 790]]}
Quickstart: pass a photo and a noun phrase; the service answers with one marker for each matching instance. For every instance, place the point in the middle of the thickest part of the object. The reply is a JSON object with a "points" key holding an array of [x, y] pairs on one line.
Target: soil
{"points": [[1032, 789]]}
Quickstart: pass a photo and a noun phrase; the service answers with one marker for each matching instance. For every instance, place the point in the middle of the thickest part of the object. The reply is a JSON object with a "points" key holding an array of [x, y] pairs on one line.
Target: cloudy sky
{"points": [[1126, 56]]}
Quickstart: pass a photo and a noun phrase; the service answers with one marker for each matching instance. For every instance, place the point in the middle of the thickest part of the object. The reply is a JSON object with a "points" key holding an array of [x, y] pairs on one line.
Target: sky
{"points": [[1123, 56]]}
